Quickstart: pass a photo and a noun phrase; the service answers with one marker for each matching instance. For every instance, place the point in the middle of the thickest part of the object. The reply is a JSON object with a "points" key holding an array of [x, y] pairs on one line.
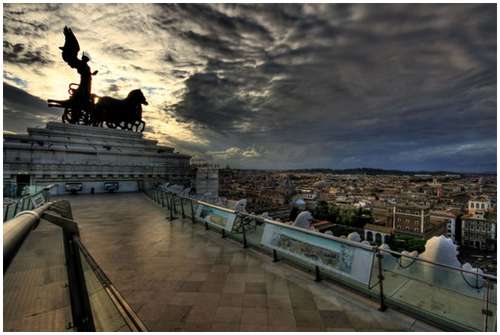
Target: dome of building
{"points": [[300, 202], [303, 220], [321, 183]]}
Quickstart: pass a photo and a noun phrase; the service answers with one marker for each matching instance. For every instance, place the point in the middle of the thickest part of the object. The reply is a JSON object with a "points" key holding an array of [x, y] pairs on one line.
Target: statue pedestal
{"points": [[66, 153]]}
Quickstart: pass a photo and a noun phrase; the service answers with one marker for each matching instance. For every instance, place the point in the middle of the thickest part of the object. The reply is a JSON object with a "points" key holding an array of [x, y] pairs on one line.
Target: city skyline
{"points": [[406, 87]]}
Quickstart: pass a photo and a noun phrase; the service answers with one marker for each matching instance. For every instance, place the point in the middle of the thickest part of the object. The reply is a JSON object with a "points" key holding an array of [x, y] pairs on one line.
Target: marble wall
{"points": [[64, 153]]}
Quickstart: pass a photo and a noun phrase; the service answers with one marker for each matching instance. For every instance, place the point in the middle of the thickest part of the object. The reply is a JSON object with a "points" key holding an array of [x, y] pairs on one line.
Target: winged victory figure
{"points": [[81, 108], [78, 108]]}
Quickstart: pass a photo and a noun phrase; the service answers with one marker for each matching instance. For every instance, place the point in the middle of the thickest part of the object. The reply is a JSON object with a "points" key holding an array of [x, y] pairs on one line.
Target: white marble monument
{"points": [[65, 154]]}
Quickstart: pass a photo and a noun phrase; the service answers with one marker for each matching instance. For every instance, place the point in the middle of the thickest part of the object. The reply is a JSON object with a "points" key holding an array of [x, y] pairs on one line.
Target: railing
{"points": [[32, 268], [450, 297], [28, 202]]}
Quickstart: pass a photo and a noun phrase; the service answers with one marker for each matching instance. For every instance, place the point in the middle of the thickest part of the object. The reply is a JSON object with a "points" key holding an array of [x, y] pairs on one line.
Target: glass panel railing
{"points": [[9, 211], [187, 206], [449, 296], [491, 306], [439, 292], [216, 217], [105, 313], [162, 199], [25, 203]]}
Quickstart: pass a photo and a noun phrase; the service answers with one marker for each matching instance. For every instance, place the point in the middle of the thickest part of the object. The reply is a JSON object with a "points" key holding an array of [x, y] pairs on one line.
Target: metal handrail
{"points": [[334, 238], [17, 229], [129, 315], [449, 323]]}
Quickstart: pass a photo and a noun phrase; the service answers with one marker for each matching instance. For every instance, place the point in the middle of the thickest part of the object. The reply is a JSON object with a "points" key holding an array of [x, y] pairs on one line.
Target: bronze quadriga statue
{"points": [[82, 108]]}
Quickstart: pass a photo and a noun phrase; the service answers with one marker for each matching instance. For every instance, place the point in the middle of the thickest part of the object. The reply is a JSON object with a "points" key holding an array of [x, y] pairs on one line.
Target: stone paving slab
{"points": [[179, 277]]}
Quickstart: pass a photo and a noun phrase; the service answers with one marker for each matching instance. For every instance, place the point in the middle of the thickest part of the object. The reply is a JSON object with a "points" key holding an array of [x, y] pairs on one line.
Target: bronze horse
{"points": [[81, 108], [124, 114]]}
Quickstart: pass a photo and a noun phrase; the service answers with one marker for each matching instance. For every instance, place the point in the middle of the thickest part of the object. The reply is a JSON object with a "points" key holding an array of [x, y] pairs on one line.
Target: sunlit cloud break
{"points": [[399, 86]]}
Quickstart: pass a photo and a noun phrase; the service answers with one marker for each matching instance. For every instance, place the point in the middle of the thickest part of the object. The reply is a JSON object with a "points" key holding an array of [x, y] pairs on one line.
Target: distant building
{"points": [[206, 177], [479, 225], [479, 233], [415, 220], [450, 219], [382, 215], [479, 205], [377, 234], [307, 194]]}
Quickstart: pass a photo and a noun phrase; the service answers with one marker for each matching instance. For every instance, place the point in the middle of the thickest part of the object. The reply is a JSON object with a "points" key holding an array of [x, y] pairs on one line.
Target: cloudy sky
{"points": [[276, 86]]}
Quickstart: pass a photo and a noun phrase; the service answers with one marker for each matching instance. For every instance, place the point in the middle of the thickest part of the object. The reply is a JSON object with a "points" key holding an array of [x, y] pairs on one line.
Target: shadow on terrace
{"points": [[171, 263]]}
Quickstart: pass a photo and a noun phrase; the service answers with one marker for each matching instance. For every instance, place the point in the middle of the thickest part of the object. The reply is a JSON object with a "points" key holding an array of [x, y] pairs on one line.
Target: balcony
{"points": [[178, 269]]}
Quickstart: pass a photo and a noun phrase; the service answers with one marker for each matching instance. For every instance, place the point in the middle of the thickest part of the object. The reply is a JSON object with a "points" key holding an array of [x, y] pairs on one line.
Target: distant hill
{"points": [[372, 171]]}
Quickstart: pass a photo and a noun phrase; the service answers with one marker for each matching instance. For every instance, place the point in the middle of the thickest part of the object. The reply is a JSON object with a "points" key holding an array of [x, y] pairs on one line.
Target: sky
{"points": [[282, 86]]}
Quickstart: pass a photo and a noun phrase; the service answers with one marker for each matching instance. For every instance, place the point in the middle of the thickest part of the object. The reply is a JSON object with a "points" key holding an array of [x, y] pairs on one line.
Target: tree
{"points": [[321, 212], [333, 214]]}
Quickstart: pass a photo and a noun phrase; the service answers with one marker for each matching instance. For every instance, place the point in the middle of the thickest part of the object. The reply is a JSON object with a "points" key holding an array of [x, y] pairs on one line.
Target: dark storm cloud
{"points": [[19, 53], [358, 85], [21, 109], [409, 86], [22, 27], [207, 91], [212, 20]]}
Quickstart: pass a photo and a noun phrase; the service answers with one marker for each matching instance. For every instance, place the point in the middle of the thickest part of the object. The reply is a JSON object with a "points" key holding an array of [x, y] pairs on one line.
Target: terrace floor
{"points": [[178, 276]]}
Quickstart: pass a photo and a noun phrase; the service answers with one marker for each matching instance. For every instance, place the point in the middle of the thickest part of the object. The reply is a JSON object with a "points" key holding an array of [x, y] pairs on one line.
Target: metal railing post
{"points": [[6, 212], [182, 208], [275, 256], [192, 212], [81, 309], [380, 258], [317, 274], [486, 310], [162, 196], [174, 206], [80, 303], [171, 208], [244, 234], [15, 209]]}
